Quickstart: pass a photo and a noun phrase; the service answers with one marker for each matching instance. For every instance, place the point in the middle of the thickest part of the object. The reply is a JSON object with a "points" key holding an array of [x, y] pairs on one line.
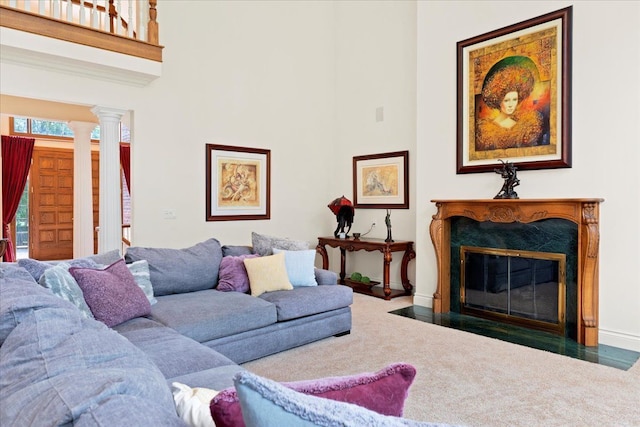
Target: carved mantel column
{"points": [[583, 212]]}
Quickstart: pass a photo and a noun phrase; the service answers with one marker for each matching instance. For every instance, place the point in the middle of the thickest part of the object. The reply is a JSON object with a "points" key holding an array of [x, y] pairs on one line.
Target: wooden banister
{"points": [[35, 23]]}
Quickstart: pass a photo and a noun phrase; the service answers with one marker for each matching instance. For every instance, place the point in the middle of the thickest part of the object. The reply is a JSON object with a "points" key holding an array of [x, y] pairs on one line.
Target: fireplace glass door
{"points": [[521, 287]]}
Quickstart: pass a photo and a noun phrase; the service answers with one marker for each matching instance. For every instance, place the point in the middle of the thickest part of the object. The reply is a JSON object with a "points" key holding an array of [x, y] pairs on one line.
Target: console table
{"points": [[371, 245]]}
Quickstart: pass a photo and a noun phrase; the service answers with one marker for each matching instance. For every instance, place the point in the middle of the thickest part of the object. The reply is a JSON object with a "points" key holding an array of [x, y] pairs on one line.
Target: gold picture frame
{"points": [[381, 181], [238, 184], [514, 96]]}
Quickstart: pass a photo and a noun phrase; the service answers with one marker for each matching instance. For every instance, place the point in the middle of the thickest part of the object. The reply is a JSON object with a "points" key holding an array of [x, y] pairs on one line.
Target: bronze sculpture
{"points": [[508, 172]]}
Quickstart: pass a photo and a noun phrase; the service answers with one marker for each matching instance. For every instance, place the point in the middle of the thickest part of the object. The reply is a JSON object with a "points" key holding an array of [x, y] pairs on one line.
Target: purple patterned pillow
{"points": [[112, 294], [384, 392], [233, 274]]}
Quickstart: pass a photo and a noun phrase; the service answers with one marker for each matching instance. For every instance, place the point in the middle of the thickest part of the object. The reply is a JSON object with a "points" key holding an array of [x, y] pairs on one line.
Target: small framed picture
{"points": [[238, 183], [514, 96], [381, 181]]}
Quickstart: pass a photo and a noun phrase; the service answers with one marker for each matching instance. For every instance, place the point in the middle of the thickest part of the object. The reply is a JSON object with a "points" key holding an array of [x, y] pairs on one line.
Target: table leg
{"points": [[385, 273], [409, 254], [325, 258], [343, 264]]}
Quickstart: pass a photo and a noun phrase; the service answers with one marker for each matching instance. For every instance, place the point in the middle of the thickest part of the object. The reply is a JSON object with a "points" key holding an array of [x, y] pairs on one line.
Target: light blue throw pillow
{"points": [[266, 403], [62, 284], [300, 266], [140, 271]]}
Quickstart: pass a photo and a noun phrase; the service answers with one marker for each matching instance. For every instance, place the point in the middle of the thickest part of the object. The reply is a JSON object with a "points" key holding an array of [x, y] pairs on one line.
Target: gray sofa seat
{"points": [[170, 350], [306, 301], [210, 314], [280, 336]]}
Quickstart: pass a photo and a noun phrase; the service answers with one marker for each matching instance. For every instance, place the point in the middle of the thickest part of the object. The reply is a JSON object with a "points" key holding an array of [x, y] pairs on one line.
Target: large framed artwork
{"points": [[381, 181], [514, 96], [238, 183]]}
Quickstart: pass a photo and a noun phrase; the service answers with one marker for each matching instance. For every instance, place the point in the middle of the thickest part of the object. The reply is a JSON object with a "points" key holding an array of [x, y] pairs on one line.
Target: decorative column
{"points": [[110, 218], [82, 189]]}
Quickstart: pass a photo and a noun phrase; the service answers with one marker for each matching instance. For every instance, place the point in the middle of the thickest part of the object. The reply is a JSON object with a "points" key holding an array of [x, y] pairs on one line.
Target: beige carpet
{"points": [[467, 379]]}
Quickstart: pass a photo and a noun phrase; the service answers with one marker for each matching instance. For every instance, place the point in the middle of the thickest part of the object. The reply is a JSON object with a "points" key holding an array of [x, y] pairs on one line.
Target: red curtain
{"points": [[16, 161], [125, 162]]}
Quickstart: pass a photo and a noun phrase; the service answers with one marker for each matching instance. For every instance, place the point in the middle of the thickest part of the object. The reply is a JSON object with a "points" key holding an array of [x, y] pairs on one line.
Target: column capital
{"points": [[81, 128], [108, 113]]}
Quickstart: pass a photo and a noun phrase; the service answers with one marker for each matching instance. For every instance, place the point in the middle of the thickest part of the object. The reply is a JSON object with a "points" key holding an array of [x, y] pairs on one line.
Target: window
{"points": [[51, 129]]}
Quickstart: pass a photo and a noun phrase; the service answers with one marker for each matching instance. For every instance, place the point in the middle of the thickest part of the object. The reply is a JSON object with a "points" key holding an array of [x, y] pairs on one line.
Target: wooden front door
{"points": [[51, 204]]}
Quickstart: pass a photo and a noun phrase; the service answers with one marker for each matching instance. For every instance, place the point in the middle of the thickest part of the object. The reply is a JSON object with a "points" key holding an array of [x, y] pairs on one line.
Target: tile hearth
{"points": [[602, 354]]}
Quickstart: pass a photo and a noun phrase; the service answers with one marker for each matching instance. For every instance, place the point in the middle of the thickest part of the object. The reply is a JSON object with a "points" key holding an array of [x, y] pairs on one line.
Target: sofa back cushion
{"points": [[175, 271], [19, 295]]}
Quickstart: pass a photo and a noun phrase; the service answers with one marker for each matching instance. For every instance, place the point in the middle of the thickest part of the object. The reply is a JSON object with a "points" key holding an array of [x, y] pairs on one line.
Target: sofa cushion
{"points": [[233, 275], [58, 364], [126, 411], [265, 402], [236, 250], [37, 268], [62, 284], [384, 392], [20, 295], [305, 301], [112, 294], [211, 314], [218, 378], [106, 258], [300, 266], [174, 354], [267, 274], [263, 245], [326, 277], [175, 271]]}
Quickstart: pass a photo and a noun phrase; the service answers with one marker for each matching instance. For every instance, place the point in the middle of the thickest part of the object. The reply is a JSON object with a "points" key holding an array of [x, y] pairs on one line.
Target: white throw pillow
{"points": [[192, 404]]}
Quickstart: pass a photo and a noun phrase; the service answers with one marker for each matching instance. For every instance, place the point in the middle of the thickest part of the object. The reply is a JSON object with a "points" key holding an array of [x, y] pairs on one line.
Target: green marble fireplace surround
{"points": [[561, 226], [550, 235]]}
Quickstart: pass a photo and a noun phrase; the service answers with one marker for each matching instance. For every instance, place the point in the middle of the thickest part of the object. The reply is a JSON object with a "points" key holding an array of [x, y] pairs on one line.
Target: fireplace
{"points": [[566, 227]]}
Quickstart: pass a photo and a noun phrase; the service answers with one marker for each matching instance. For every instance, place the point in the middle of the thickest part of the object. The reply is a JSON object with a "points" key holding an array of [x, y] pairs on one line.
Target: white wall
{"points": [[248, 74], [375, 67], [605, 135]]}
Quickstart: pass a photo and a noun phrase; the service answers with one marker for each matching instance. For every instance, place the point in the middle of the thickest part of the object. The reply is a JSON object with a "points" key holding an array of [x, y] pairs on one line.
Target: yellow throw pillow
{"points": [[267, 274]]}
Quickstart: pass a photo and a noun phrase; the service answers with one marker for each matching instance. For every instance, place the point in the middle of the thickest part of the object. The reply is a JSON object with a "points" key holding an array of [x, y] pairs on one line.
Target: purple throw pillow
{"points": [[384, 392], [233, 274], [112, 294]]}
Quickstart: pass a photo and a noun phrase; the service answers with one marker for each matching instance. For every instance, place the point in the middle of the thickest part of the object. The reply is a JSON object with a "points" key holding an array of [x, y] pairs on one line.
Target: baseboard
{"points": [[619, 339], [423, 300]]}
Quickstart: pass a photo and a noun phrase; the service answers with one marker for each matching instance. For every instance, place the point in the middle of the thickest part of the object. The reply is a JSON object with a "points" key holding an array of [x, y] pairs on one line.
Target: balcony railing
{"points": [[124, 26]]}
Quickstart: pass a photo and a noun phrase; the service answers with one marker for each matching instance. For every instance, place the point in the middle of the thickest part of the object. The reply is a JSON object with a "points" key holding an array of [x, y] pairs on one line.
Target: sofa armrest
{"points": [[325, 277]]}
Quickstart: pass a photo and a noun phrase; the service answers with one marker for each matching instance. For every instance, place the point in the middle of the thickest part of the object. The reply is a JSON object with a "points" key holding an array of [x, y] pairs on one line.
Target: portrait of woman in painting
{"points": [[509, 116]]}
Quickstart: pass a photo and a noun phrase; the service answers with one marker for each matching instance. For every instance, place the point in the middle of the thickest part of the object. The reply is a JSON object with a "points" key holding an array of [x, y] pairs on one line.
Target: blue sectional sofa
{"points": [[59, 367]]}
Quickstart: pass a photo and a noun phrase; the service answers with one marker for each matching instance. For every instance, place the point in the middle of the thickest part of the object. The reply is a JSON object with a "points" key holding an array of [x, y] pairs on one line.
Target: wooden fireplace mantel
{"points": [[583, 212]]}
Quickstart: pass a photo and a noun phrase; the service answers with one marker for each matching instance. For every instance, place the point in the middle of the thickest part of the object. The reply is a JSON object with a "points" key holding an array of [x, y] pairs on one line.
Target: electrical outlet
{"points": [[169, 213]]}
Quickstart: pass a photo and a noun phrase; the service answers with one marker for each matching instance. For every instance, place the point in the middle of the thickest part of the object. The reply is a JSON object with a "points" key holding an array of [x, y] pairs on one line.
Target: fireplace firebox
{"points": [[525, 288]]}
